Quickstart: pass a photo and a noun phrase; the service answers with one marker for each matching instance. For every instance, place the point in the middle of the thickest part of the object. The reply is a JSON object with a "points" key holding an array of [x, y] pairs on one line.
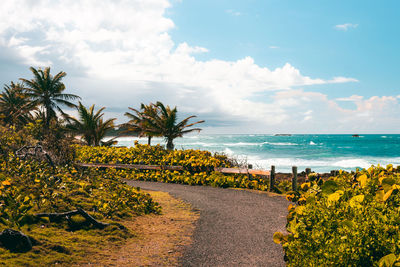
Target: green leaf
{"points": [[387, 183], [387, 261], [310, 199], [3, 221], [396, 186], [279, 237], [387, 195], [348, 223], [335, 196], [363, 180], [300, 210], [379, 195], [389, 167], [356, 200], [329, 187]]}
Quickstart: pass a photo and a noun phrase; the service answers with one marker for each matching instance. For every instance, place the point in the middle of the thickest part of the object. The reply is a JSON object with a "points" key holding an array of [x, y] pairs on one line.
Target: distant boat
{"points": [[355, 135], [282, 135]]}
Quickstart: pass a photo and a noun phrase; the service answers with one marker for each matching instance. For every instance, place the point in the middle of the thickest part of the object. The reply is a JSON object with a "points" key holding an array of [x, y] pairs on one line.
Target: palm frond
{"points": [[160, 120], [46, 90], [90, 124]]}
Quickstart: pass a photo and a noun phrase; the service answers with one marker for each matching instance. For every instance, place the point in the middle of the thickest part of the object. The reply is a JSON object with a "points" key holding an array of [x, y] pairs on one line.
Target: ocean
{"points": [[321, 153]]}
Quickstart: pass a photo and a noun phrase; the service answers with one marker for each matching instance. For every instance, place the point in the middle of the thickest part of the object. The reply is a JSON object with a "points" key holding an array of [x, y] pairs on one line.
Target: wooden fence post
{"points": [[272, 179], [308, 171], [249, 167], [294, 179]]}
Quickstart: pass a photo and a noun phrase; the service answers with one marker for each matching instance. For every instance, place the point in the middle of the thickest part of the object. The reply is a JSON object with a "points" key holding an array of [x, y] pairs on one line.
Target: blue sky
{"points": [[243, 66], [302, 33]]}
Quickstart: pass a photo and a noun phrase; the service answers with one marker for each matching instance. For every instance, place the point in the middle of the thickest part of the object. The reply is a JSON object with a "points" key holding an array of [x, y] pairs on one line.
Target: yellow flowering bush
{"points": [[11, 140], [349, 220], [32, 186], [29, 187], [198, 166], [195, 160]]}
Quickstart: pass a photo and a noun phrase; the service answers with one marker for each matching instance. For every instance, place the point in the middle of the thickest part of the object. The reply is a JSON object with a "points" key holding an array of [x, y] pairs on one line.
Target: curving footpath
{"points": [[235, 227]]}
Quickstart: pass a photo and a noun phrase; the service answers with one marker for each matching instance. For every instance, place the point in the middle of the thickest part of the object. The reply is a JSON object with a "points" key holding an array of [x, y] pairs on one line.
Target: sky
{"points": [[244, 66]]}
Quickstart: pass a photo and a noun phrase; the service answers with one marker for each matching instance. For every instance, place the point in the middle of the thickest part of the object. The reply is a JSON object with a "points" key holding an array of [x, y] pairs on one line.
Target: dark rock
{"points": [[15, 241], [34, 241], [60, 249]]}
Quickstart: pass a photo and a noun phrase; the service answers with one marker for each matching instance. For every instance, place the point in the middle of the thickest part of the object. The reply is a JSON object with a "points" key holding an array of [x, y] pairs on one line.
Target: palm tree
{"points": [[15, 106], [46, 91], [164, 124], [139, 121], [90, 125]]}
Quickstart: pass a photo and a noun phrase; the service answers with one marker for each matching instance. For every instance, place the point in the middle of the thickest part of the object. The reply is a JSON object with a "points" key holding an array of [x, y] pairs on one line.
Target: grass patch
{"points": [[154, 240], [56, 245]]}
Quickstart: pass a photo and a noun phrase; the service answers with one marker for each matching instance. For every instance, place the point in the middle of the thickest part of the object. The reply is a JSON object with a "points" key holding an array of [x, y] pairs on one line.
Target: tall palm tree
{"points": [[164, 123], [46, 91], [90, 125], [15, 106], [139, 121]]}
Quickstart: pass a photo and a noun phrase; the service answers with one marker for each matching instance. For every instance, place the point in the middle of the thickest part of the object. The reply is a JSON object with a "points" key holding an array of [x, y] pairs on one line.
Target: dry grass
{"points": [[159, 239], [151, 240]]}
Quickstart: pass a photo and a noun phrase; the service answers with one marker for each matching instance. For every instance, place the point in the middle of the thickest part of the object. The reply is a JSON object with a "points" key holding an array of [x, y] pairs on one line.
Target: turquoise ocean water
{"points": [[322, 153]]}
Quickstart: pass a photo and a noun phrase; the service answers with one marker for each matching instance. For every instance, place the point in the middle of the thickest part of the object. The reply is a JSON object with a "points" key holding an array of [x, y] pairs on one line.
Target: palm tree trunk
{"points": [[149, 140], [170, 144], [47, 120]]}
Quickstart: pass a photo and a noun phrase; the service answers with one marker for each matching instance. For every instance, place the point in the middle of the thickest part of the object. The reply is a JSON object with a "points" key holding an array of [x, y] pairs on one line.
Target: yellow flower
{"points": [[6, 183], [290, 197]]}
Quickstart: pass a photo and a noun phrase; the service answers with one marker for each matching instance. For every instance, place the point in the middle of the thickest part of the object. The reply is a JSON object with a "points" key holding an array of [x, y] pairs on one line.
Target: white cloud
{"points": [[342, 80], [273, 47], [353, 98], [316, 112], [184, 48], [13, 41], [345, 26], [121, 54]]}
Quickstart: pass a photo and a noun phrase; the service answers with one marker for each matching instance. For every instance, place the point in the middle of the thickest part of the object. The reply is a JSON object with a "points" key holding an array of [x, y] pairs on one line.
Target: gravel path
{"points": [[235, 226]]}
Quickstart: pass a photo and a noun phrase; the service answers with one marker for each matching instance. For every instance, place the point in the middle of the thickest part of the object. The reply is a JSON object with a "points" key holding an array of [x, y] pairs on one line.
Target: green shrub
{"points": [[29, 187], [349, 220], [198, 166], [196, 160]]}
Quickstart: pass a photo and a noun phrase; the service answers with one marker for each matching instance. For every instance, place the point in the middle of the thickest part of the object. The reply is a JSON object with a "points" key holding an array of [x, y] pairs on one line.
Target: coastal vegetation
{"points": [[46, 92], [139, 122], [40, 101], [198, 165], [49, 207], [15, 105], [90, 125], [160, 120], [33, 193], [349, 220]]}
